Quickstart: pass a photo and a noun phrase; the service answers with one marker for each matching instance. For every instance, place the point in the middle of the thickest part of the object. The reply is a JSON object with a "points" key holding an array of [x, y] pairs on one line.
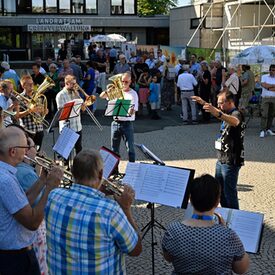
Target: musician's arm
{"points": [[167, 256], [103, 95], [242, 265]]}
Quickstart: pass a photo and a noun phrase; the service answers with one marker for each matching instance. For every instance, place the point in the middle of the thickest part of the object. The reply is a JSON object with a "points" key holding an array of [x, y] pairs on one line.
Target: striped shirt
{"points": [[87, 233], [63, 97]]}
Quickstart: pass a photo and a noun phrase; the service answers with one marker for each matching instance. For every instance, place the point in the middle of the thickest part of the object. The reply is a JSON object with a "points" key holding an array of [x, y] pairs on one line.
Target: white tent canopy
{"points": [[261, 55], [114, 37]]}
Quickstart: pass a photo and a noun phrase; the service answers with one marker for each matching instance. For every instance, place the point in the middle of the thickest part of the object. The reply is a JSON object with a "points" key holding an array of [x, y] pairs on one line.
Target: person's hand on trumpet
{"points": [[126, 199], [54, 177]]}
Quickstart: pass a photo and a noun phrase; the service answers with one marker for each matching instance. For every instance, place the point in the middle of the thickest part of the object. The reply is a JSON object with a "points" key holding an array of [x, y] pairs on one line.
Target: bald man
{"points": [[18, 219]]}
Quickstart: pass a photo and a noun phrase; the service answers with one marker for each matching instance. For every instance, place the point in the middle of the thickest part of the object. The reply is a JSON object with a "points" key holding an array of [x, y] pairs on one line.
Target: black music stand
{"points": [[153, 222]]}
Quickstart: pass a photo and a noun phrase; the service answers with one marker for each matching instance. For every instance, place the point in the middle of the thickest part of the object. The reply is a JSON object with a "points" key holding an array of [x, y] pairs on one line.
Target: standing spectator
{"points": [[150, 61], [186, 83], [205, 88], [89, 81], [80, 64], [100, 59], [139, 68], [46, 65], [233, 84], [268, 102], [132, 60], [64, 71], [143, 92], [122, 66], [38, 61], [168, 88], [37, 77], [113, 58], [219, 73], [62, 53], [10, 74], [77, 72], [161, 60], [51, 93], [229, 146], [154, 97], [248, 86]]}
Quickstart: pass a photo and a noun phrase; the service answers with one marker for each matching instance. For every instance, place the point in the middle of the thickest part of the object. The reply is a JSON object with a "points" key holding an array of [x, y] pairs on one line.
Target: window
{"points": [[77, 6], [9, 6], [64, 6], [51, 6], [125, 7], [5, 37], [116, 6], [37, 6], [194, 23], [91, 6], [24, 6], [129, 6]]}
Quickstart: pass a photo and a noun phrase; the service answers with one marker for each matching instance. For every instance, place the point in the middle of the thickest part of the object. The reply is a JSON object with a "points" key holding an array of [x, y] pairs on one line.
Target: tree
{"points": [[152, 7]]}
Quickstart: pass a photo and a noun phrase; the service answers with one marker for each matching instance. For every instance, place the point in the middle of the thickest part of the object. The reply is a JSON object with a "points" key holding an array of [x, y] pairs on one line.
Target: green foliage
{"points": [[153, 7]]}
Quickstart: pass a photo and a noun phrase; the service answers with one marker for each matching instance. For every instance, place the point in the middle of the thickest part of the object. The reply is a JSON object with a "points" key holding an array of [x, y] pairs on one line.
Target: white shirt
{"points": [[233, 83], [186, 81], [163, 60], [130, 95], [269, 80]]}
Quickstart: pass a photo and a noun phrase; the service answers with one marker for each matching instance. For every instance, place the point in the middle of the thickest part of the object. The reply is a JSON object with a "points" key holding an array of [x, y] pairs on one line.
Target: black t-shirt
{"points": [[205, 88], [38, 79], [139, 69], [232, 138]]}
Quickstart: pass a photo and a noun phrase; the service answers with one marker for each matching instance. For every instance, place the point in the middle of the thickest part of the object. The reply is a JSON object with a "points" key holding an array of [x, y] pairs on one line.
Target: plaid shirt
{"points": [[28, 119], [63, 97], [87, 233]]}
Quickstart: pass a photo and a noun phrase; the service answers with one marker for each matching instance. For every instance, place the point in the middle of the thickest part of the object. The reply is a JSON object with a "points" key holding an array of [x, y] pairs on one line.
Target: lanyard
{"points": [[202, 217]]}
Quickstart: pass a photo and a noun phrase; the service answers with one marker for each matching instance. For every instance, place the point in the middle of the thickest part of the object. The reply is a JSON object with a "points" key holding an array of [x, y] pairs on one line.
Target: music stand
{"points": [[119, 107], [153, 222]]}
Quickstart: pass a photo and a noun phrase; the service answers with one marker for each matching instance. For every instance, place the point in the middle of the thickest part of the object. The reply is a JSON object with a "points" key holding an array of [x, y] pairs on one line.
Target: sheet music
{"points": [[66, 142], [110, 162], [76, 108], [157, 184], [247, 225]]}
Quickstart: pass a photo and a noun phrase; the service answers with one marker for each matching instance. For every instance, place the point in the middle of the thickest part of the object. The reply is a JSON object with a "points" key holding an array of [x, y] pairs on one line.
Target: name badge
{"points": [[218, 145]]}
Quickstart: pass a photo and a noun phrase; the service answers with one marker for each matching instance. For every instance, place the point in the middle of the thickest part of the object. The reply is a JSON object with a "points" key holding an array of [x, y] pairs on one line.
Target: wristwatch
{"points": [[220, 114]]}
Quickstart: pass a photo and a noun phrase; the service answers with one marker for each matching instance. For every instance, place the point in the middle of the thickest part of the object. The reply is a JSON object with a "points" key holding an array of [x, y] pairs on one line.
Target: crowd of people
{"points": [[81, 230]]}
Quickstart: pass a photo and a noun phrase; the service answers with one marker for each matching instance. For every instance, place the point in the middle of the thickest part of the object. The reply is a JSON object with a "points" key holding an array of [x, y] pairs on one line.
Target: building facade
{"points": [[30, 28]]}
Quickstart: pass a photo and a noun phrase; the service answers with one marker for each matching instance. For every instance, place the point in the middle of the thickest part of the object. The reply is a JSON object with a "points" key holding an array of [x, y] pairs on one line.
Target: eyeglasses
{"points": [[28, 147], [125, 81], [221, 103]]}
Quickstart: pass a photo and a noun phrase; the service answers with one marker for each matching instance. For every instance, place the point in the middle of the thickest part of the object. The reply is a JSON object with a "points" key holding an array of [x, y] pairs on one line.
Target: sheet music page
{"points": [[223, 212], [110, 162], [248, 226], [76, 108], [66, 142], [157, 184]]}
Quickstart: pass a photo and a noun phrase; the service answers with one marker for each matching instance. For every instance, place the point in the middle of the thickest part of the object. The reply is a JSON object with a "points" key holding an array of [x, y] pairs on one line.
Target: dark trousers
{"points": [[78, 144], [38, 138], [23, 263]]}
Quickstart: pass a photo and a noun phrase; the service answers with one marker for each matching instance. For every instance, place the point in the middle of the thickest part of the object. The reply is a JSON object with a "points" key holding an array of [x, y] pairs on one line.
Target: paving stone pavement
{"points": [[192, 146]]}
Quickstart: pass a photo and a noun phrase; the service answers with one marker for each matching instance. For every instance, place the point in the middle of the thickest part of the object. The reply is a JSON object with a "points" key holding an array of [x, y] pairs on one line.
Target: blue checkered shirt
{"points": [[87, 233]]}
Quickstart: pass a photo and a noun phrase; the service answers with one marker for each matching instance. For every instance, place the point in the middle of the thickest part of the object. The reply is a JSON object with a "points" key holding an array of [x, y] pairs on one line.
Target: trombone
{"points": [[89, 100]]}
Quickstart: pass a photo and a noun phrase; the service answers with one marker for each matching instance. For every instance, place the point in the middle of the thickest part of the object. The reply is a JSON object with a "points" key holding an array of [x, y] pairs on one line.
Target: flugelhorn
{"points": [[47, 164], [115, 186]]}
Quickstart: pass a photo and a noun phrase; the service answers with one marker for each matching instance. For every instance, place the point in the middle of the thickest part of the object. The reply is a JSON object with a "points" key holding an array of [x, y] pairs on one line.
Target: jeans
{"points": [[124, 129], [24, 263], [227, 176]]}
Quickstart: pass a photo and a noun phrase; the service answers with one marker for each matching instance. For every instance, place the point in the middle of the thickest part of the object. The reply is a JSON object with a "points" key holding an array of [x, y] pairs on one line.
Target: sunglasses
{"points": [[125, 81]]}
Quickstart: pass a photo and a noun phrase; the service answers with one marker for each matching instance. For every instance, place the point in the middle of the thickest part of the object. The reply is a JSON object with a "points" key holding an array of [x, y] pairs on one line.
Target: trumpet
{"points": [[89, 100], [47, 164]]}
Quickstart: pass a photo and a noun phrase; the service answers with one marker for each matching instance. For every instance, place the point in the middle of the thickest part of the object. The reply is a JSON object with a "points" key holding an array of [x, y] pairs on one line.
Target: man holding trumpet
{"points": [[103, 229], [19, 220]]}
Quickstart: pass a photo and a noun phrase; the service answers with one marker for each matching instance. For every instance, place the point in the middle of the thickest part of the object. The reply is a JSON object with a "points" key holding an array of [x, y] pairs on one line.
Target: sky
{"points": [[183, 2]]}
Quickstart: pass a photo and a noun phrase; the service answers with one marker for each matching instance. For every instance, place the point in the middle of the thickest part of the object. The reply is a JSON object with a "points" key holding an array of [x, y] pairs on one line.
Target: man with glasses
{"points": [[268, 102], [19, 220], [122, 126], [229, 145]]}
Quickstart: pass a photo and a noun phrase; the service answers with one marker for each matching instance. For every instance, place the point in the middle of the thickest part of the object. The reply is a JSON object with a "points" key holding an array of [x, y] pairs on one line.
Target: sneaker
{"points": [[270, 132], [262, 134]]}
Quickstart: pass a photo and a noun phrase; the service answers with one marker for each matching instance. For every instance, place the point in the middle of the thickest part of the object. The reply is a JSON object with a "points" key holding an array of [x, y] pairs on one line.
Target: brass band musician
{"points": [[104, 230], [27, 112]]}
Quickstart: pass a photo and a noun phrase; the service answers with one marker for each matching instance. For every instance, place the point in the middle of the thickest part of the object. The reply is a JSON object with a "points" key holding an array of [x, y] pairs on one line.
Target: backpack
{"points": [[171, 73]]}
